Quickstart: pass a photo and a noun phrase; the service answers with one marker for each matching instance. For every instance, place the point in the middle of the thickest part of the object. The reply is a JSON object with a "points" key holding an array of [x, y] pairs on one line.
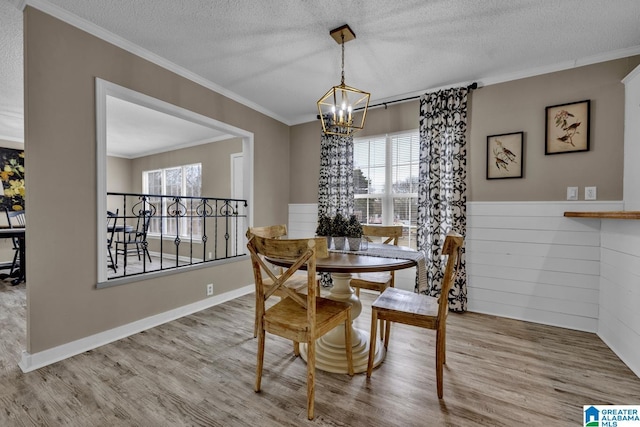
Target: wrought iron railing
{"points": [[154, 232]]}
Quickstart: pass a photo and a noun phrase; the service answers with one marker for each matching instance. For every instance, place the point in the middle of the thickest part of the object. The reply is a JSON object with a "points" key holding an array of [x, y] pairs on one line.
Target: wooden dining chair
{"points": [[15, 219], [112, 219], [136, 239], [381, 280], [299, 317], [297, 282], [410, 308]]}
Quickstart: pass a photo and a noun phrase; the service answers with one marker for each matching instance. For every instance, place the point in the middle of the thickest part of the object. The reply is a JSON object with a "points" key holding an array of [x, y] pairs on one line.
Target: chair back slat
{"points": [[278, 281], [270, 231], [112, 221], [15, 218], [142, 226], [303, 251], [451, 247], [390, 233]]}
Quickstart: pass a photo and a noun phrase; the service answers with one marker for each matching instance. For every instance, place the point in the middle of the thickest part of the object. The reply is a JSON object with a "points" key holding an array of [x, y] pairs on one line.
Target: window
{"points": [[177, 181], [385, 177]]}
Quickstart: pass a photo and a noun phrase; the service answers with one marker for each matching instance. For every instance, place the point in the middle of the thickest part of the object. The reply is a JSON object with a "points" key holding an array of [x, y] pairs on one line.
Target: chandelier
{"points": [[343, 109]]}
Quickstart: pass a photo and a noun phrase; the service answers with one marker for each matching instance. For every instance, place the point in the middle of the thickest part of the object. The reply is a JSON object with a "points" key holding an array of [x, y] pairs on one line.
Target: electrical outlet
{"points": [[590, 193], [210, 289], [572, 193]]}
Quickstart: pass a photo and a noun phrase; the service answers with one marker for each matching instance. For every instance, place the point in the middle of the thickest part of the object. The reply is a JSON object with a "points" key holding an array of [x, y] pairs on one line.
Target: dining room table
{"points": [[331, 355]]}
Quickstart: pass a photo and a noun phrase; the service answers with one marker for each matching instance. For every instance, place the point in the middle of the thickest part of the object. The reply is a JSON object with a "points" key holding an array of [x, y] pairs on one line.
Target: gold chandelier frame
{"points": [[343, 109]]}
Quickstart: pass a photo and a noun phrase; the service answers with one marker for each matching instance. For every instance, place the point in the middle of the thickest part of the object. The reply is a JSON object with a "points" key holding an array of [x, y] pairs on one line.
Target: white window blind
{"points": [[386, 181]]}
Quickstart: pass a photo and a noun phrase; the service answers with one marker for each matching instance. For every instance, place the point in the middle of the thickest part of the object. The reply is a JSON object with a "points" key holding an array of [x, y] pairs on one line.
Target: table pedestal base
{"points": [[331, 355]]}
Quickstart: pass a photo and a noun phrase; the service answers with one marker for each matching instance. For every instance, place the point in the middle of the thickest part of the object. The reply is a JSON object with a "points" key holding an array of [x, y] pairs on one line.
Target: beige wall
{"points": [[503, 108], [61, 63], [520, 106], [118, 179], [125, 175], [215, 159]]}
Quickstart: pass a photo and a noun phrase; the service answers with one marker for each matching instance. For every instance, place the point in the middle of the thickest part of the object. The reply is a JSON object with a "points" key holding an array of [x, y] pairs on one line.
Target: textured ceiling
{"points": [[278, 57]]}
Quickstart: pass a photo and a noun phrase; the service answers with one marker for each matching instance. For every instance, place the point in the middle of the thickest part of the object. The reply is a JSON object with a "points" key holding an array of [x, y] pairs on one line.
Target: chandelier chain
{"points": [[342, 80]]}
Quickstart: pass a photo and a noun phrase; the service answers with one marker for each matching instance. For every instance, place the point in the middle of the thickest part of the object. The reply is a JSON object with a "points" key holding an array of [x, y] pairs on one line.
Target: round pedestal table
{"points": [[331, 353]]}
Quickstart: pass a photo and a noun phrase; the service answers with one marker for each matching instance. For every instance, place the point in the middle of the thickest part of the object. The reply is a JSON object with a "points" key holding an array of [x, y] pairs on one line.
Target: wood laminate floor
{"points": [[199, 371]]}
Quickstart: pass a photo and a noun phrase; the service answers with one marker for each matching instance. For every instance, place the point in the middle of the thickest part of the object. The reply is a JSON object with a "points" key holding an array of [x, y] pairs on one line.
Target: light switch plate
{"points": [[572, 193], [590, 193]]}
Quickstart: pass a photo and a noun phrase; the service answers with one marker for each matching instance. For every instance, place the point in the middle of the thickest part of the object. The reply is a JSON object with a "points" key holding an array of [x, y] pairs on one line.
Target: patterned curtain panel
{"points": [[335, 191], [335, 187], [442, 199]]}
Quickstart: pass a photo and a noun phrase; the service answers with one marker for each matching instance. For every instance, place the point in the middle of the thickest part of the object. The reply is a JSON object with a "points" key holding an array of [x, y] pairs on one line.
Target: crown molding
{"points": [[133, 48], [561, 66]]}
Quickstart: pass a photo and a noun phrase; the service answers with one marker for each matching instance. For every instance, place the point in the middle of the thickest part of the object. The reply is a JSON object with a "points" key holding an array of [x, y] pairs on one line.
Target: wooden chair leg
{"points": [[372, 340], [261, 338], [255, 324], [296, 348], [439, 361], [383, 324], [444, 344], [347, 340], [387, 333], [311, 377], [358, 292]]}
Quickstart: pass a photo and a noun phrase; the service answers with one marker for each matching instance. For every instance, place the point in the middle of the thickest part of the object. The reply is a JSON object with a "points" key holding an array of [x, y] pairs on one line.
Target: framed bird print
{"points": [[567, 128], [505, 155]]}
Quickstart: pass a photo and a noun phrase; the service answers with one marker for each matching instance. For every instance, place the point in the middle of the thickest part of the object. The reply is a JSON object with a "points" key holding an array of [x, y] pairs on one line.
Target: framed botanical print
{"points": [[505, 155], [567, 128]]}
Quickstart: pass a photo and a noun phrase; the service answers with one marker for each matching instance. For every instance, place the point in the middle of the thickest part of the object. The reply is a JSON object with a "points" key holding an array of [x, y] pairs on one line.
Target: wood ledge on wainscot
{"points": [[605, 215]]}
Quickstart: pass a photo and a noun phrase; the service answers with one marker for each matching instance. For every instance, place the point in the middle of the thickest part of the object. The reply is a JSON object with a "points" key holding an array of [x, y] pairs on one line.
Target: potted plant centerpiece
{"points": [[354, 233], [324, 228], [339, 231]]}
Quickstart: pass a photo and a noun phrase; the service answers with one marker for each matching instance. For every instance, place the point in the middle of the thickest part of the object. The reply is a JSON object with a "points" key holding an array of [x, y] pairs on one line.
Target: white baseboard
{"points": [[31, 362]]}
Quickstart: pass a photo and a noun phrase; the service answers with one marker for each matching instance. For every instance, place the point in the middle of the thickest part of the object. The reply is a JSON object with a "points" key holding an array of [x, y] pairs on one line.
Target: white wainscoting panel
{"points": [[526, 261], [619, 321]]}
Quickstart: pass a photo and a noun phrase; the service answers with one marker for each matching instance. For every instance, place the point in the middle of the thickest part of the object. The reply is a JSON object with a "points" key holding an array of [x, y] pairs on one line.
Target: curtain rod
{"points": [[472, 86]]}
